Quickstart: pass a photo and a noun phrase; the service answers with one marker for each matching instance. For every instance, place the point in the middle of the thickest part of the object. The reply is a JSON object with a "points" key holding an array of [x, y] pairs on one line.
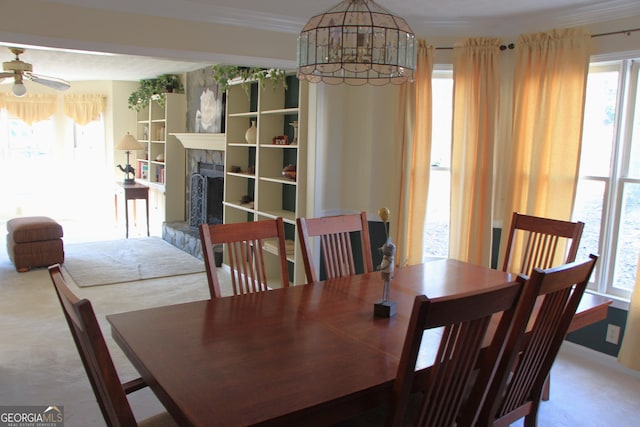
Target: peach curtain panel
{"points": [[476, 100], [30, 108], [84, 108], [550, 83], [415, 113], [630, 351]]}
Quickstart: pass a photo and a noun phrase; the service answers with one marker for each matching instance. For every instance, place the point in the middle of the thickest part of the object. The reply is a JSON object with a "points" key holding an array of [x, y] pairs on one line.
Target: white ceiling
{"points": [[428, 18]]}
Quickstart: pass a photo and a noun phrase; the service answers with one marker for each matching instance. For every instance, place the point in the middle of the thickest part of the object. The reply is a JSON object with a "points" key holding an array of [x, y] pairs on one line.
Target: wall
{"points": [[354, 149]]}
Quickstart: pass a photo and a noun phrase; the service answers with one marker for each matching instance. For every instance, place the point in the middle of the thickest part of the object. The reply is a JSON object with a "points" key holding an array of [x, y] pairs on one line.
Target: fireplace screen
{"points": [[205, 195]]}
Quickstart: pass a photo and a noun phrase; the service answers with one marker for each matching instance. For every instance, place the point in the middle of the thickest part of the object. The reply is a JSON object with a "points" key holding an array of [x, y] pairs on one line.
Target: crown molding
{"points": [[488, 24]]}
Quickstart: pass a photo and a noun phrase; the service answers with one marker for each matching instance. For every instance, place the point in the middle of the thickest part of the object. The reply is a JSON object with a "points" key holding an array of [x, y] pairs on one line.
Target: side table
{"points": [[133, 192]]}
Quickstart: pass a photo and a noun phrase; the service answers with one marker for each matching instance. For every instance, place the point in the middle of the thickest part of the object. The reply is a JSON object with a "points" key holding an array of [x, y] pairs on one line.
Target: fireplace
{"points": [[206, 189]]}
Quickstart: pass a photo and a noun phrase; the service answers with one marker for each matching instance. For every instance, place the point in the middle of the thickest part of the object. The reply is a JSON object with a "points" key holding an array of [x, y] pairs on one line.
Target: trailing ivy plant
{"points": [[154, 89], [224, 74]]}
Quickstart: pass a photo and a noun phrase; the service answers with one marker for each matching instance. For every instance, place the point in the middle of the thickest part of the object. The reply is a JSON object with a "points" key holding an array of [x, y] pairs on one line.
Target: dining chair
{"points": [[245, 247], [110, 393], [466, 326], [550, 299], [337, 253], [541, 239]]}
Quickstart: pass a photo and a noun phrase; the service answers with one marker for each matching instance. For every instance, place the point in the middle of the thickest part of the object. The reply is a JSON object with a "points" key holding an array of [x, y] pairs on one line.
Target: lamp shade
{"points": [[129, 143], [357, 42]]}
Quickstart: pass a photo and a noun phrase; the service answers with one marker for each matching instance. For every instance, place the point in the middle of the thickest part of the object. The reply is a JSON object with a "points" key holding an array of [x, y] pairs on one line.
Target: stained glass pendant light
{"points": [[357, 42]]}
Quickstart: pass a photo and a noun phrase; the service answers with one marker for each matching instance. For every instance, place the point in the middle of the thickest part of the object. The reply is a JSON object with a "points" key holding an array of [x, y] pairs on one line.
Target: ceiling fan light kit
{"points": [[18, 89], [19, 70]]}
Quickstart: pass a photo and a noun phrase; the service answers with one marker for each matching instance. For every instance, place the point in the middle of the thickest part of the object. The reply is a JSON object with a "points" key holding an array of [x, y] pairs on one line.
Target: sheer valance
{"points": [[84, 108], [30, 108]]}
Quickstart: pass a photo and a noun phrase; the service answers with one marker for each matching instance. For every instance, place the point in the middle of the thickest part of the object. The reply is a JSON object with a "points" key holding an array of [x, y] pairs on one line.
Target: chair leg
{"points": [[546, 387], [531, 419]]}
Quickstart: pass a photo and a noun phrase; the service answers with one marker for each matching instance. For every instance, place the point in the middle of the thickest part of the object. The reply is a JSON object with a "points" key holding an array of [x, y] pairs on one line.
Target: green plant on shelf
{"points": [[156, 89], [223, 75]]}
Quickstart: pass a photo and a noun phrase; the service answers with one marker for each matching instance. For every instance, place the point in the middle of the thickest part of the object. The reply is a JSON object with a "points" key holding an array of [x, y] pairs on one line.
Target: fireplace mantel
{"points": [[202, 141]]}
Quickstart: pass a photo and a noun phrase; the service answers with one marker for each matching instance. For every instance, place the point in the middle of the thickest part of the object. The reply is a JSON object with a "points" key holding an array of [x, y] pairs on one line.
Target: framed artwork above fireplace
{"points": [[205, 103]]}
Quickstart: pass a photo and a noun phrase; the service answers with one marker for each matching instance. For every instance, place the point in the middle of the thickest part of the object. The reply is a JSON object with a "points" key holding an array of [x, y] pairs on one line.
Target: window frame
{"points": [[618, 176]]}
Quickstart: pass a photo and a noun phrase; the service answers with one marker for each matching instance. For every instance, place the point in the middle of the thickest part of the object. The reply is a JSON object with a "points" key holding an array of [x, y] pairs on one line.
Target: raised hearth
{"points": [[187, 238], [184, 237]]}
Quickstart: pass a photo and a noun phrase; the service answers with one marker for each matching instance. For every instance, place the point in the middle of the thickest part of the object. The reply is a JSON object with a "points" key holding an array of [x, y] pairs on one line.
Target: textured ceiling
{"points": [[428, 18]]}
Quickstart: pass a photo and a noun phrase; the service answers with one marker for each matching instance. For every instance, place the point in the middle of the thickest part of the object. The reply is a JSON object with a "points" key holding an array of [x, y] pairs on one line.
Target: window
{"points": [[26, 164], [436, 235], [89, 148], [52, 162], [608, 196]]}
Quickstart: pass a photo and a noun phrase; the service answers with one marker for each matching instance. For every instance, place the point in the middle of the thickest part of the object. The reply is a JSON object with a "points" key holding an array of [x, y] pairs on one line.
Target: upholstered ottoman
{"points": [[34, 241]]}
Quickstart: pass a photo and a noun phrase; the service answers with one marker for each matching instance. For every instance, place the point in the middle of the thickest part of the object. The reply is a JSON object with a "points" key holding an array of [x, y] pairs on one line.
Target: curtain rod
{"points": [[627, 32], [512, 46]]}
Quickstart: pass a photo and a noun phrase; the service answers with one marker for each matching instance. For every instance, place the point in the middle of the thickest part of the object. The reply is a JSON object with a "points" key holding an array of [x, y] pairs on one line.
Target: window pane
{"points": [[628, 239], [599, 122], [588, 209], [441, 128], [436, 236], [30, 141], [27, 157], [634, 159]]}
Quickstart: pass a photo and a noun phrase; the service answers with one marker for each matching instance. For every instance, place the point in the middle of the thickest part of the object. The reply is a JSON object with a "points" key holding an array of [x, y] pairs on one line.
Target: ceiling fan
{"points": [[19, 69]]}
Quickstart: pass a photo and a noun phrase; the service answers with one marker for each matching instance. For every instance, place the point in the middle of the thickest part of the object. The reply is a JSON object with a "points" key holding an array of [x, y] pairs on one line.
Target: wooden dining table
{"points": [[305, 355]]}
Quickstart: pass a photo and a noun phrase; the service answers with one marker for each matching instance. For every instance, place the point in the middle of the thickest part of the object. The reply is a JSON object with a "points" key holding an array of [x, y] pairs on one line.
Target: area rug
{"points": [[126, 260]]}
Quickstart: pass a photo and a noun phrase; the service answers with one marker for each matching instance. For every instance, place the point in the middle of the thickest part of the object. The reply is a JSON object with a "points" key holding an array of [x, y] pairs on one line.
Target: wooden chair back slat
{"points": [[245, 247], [466, 321], [334, 233], [537, 242]]}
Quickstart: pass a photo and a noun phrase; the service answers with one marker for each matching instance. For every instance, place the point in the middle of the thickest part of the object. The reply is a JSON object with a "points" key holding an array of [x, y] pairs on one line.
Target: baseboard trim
{"points": [[591, 355]]}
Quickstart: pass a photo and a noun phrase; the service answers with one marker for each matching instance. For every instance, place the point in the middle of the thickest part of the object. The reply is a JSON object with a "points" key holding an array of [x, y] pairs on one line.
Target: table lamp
{"points": [[129, 144]]}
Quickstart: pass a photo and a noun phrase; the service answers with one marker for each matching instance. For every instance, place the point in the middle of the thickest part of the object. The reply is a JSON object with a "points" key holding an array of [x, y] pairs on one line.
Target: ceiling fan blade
{"points": [[51, 82], [5, 76]]}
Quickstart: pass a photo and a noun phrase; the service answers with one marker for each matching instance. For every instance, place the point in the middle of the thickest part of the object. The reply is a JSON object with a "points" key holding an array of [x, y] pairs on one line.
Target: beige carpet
{"points": [[127, 260]]}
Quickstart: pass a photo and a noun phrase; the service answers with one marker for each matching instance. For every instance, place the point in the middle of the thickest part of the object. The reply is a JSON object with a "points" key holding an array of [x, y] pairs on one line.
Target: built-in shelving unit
{"points": [[255, 187], [162, 165]]}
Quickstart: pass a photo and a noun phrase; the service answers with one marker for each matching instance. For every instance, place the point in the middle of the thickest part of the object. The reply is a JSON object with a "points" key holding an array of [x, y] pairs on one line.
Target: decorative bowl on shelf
{"points": [[289, 171], [280, 140]]}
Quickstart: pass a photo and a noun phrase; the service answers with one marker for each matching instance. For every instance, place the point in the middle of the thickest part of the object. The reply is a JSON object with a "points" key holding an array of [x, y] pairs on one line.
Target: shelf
{"points": [[202, 141], [272, 107], [241, 144], [278, 180], [249, 114], [241, 175], [246, 208], [166, 178], [271, 247], [281, 111], [287, 147], [287, 216]]}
